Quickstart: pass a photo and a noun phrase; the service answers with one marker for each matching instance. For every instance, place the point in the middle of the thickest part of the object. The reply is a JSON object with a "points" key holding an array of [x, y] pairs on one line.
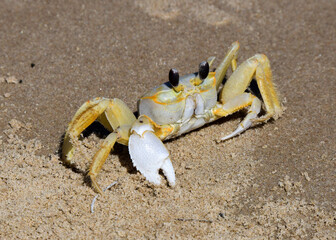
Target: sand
{"points": [[275, 181]]}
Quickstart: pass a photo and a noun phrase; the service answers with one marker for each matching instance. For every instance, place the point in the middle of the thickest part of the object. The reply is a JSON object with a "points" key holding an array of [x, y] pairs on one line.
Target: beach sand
{"points": [[274, 181]]}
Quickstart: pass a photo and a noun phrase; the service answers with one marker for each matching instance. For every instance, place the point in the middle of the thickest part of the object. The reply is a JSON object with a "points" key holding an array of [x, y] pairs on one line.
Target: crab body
{"points": [[183, 111], [174, 108]]}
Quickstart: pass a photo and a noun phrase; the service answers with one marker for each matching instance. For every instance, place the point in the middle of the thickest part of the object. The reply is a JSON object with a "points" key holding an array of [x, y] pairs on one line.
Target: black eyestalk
{"points": [[203, 71], [174, 77]]}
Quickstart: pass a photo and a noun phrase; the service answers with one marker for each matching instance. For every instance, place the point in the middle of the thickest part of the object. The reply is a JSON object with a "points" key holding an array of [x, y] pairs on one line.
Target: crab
{"points": [[176, 107]]}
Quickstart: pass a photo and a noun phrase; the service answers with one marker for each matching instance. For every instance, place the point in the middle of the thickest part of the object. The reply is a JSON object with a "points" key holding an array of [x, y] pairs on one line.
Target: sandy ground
{"points": [[275, 181]]}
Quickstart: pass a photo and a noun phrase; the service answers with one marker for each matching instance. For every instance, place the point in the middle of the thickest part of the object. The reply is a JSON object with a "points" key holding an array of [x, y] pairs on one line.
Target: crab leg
{"points": [[230, 58], [240, 79], [233, 97], [148, 153], [83, 118], [236, 104], [114, 115], [100, 158]]}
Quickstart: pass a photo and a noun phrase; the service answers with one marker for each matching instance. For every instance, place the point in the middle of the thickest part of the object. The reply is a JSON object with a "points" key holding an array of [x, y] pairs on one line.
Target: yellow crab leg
{"points": [[240, 79], [121, 118], [84, 116], [100, 158], [265, 83], [235, 104], [230, 58], [114, 115]]}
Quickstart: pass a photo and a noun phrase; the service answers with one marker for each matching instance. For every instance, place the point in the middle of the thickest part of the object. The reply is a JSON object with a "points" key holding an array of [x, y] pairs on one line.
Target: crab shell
{"points": [[164, 105]]}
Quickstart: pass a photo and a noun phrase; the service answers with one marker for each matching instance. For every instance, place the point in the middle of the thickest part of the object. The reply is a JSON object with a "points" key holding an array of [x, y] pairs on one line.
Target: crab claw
{"points": [[148, 153]]}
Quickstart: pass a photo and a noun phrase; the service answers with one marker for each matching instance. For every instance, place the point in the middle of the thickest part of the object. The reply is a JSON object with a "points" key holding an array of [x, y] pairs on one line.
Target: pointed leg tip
{"points": [[235, 44], [95, 185], [67, 159], [98, 190], [227, 137]]}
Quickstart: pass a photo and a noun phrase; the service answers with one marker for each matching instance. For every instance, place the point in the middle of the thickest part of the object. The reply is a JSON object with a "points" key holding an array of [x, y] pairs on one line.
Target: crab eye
{"points": [[203, 70], [174, 77]]}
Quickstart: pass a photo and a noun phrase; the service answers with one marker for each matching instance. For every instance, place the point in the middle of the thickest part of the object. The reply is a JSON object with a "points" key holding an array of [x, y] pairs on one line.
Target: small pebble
{"points": [[12, 80], [305, 174]]}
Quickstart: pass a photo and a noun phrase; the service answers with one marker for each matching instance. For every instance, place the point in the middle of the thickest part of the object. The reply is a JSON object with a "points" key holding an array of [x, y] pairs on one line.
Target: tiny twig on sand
{"points": [[95, 198]]}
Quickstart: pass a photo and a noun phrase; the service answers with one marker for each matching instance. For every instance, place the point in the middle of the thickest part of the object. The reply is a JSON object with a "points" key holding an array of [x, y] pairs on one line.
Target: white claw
{"points": [[168, 171], [149, 155]]}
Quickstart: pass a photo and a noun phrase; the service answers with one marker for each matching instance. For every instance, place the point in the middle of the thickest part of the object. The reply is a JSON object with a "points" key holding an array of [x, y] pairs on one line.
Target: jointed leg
{"points": [[237, 103], [240, 79], [100, 158], [113, 115], [121, 135], [230, 59], [267, 90], [83, 118]]}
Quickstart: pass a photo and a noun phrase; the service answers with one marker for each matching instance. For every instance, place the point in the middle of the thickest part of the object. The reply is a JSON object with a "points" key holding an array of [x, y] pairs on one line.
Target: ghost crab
{"points": [[174, 108]]}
